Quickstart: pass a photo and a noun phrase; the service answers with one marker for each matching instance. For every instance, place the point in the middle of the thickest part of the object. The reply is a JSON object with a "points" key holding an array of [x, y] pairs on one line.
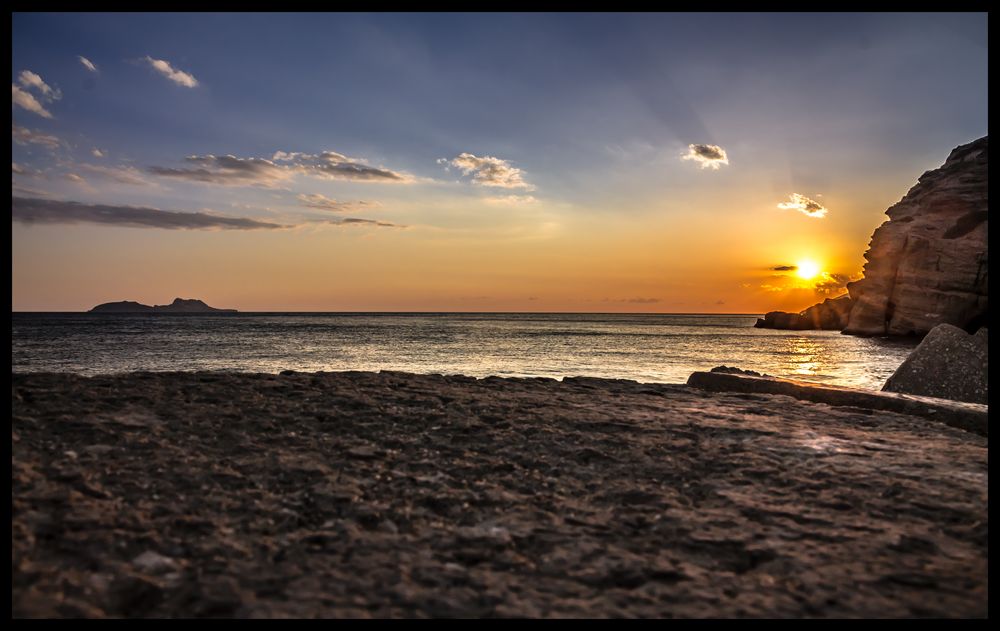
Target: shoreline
{"points": [[356, 494]]}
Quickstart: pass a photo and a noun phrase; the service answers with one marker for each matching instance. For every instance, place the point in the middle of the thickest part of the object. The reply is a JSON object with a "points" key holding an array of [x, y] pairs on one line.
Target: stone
{"points": [[929, 263], [949, 363], [971, 417], [154, 563]]}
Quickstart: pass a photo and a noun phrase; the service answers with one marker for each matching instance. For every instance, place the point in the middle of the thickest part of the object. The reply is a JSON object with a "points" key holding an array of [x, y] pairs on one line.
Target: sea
{"points": [[660, 348]]}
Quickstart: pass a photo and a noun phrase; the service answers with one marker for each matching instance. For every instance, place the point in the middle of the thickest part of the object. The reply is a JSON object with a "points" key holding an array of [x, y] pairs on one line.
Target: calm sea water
{"points": [[646, 348]]}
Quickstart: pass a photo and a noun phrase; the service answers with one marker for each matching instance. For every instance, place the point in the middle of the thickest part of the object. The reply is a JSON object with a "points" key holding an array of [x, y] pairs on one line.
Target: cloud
{"points": [[785, 268], [42, 211], [31, 80], [177, 76], [24, 136], [325, 203], [334, 166], [25, 100], [17, 168], [832, 283], [97, 153], [804, 205], [638, 301], [121, 174], [489, 171], [354, 221], [708, 156], [73, 177], [232, 171], [89, 65], [228, 171], [512, 200]]}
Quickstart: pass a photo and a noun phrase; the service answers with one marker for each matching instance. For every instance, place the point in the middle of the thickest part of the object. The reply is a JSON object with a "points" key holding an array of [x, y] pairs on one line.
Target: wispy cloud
{"points": [[177, 76], [637, 300], [708, 156], [43, 211], [354, 221], [230, 170], [89, 65], [25, 136], [97, 153], [511, 200], [336, 166], [27, 101], [121, 174], [804, 205], [30, 80], [489, 171], [785, 268], [322, 202]]}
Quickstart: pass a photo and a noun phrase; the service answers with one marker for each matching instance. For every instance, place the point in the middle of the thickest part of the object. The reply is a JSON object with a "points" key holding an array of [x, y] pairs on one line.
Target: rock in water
{"points": [[831, 315], [949, 364], [929, 263]]}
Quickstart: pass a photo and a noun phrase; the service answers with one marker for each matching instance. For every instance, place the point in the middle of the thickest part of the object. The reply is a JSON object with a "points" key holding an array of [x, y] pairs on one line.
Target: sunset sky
{"points": [[631, 163]]}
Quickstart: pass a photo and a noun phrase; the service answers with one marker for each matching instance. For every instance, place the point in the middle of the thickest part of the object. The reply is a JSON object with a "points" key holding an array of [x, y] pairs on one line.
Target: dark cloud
{"points": [[785, 268], [230, 170], [348, 221], [831, 284], [43, 211], [708, 156]]}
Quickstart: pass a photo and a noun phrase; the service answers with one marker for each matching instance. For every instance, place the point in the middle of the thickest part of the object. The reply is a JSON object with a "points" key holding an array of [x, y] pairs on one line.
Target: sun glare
{"points": [[807, 269]]}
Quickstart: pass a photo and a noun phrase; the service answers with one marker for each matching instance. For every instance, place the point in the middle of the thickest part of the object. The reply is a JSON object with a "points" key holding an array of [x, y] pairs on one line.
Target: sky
{"points": [[671, 163]]}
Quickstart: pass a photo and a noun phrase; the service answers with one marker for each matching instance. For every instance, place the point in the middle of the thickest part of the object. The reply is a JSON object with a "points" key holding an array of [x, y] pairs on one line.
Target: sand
{"points": [[389, 494]]}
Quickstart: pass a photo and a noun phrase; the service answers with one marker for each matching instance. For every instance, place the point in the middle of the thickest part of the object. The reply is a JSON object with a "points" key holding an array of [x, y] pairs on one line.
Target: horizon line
{"points": [[238, 312]]}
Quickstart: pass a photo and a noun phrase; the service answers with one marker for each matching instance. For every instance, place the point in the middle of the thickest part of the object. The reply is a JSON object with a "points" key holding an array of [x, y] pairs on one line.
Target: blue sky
{"points": [[593, 109]]}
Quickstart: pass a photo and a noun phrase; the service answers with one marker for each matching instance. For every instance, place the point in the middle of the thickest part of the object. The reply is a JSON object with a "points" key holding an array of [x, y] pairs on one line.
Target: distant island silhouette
{"points": [[179, 305]]}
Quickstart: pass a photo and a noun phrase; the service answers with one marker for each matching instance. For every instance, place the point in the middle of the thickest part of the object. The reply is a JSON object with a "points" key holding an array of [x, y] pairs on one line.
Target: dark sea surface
{"points": [[646, 348]]}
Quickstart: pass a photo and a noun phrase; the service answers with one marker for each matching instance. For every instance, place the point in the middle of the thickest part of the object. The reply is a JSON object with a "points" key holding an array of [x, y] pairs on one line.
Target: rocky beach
{"points": [[403, 495]]}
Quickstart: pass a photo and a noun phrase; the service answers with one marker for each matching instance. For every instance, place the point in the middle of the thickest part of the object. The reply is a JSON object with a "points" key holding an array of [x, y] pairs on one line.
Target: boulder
{"points": [[949, 364], [929, 263]]}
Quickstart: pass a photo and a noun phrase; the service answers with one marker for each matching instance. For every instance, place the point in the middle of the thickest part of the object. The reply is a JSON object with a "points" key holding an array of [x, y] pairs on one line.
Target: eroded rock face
{"points": [[929, 263], [949, 363]]}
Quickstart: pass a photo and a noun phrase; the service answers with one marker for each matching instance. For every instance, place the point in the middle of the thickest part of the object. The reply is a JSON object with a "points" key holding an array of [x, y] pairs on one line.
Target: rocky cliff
{"points": [[928, 264], [179, 305]]}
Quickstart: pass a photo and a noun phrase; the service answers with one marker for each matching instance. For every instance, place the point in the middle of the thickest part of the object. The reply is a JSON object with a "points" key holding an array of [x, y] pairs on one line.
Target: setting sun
{"points": [[807, 269]]}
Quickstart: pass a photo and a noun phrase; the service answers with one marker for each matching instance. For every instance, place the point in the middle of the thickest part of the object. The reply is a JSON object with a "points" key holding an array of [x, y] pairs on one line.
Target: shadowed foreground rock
{"points": [[360, 494], [948, 363]]}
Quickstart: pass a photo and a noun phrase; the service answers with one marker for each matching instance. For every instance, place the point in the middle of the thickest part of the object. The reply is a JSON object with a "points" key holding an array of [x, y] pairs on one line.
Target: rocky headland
{"points": [[927, 265], [391, 494], [179, 305]]}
